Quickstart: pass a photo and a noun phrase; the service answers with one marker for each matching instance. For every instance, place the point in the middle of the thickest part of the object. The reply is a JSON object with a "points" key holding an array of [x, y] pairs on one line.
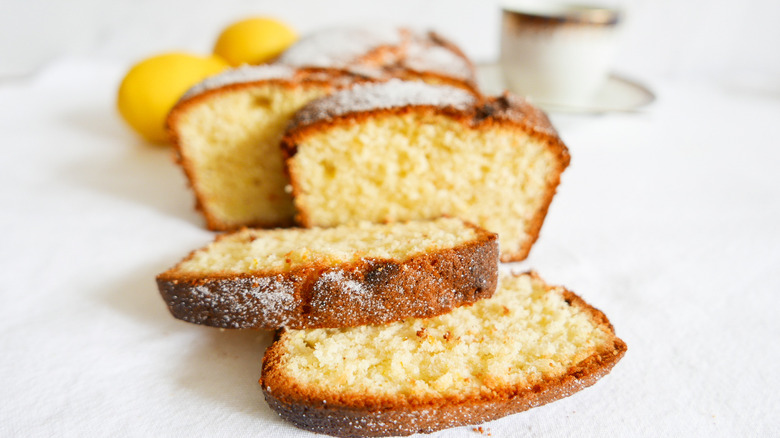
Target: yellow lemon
{"points": [[253, 41], [151, 88]]}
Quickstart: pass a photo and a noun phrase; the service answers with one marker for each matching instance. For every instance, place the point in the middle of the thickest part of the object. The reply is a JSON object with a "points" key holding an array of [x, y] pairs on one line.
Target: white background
{"points": [[735, 43], [667, 220]]}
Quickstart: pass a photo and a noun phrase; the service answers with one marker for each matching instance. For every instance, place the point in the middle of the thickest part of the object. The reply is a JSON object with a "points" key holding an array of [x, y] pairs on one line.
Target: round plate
{"points": [[618, 94]]}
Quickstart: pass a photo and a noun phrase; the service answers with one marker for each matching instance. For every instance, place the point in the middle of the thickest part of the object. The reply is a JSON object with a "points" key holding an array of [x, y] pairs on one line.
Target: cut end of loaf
{"points": [[417, 163]]}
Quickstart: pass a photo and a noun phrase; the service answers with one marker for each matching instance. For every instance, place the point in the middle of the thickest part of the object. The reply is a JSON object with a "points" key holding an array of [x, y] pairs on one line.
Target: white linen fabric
{"points": [[667, 220]]}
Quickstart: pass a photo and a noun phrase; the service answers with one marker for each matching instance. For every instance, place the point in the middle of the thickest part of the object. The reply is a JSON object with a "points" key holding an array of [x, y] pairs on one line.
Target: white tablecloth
{"points": [[666, 220]]}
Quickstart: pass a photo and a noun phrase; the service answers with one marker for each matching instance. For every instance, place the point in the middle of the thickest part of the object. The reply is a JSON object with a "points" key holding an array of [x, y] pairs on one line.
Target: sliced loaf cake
{"points": [[337, 277], [528, 345], [226, 129]]}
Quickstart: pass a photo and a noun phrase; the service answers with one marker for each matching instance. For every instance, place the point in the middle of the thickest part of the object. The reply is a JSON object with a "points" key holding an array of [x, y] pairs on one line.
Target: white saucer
{"points": [[618, 94]]}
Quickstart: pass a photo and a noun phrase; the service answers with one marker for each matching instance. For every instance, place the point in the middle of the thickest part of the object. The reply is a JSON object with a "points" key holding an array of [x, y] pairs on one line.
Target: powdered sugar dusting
{"points": [[261, 302], [337, 276], [423, 56], [243, 74], [379, 52], [391, 94], [273, 295], [353, 298], [338, 47]]}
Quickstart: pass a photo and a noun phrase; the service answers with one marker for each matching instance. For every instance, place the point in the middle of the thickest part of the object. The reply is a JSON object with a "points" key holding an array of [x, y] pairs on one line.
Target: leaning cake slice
{"points": [[410, 150], [226, 133], [337, 277], [528, 345]]}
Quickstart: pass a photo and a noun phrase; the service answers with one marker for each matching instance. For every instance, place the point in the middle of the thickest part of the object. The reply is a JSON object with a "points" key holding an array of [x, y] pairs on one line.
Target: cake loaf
{"points": [[337, 277], [226, 129], [404, 150], [528, 345]]}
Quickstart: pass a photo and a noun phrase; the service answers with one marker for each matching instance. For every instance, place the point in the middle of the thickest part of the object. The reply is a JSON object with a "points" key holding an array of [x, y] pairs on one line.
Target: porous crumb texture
{"points": [[521, 336], [336, 277], [228, 144], [422, 162], [527, 345], [251, 250]]}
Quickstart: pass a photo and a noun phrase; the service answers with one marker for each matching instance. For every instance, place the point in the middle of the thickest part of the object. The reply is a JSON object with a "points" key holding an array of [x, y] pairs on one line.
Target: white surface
{"points": [[666, 220]]}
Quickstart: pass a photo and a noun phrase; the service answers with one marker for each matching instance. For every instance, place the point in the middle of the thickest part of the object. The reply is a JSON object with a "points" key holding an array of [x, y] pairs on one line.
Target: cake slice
{"points": [[528, 345], [337, 277], [404, 150], [226, 133]]}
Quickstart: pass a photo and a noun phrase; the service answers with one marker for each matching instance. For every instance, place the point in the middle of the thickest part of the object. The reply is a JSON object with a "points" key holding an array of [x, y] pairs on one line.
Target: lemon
{"points": [[151, 88], [253, 41]]}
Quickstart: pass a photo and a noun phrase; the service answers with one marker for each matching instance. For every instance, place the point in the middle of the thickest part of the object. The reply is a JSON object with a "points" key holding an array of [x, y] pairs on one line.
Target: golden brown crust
{"points": [[507, 111], [404, 68], [319, 296], [444, 42], [410, 54], [352, 416]]}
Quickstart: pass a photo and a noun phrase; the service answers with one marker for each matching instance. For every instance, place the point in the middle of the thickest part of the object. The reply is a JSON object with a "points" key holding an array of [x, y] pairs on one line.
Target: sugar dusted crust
{"points": [[322, 294], [372, 102], [431, 52], [344, 47], [382, 52], [368, 98], [252, 75], [241, 75], [323, 410], [364, 101]]}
